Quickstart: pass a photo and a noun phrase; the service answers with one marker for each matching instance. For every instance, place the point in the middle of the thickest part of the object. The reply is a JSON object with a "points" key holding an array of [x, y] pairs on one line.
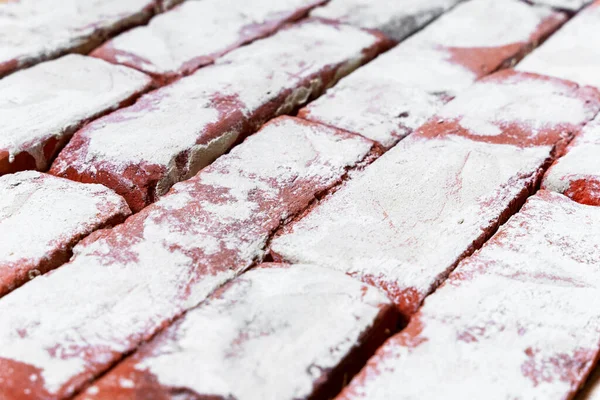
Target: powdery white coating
{"points": [[37, 30], [397, 19], [532, 103], [180, 117], [124, 283], [582, 160], [498, 23], [573, 53], [172, 42], [40, 214], [391, 96], [54, 98], [512, 322], [289, 325], [412, 213], [570, 5]]}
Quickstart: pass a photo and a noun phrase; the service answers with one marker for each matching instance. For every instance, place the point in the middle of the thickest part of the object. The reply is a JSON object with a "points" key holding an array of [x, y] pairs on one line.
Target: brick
{"points": [[573, 53], [568, 5], [196, 33], [297, 328], [512, 322], [397, 19], [396, 93], [408, 218], [40, 118], [32, 31], [577, 173], [42, 217], [172, 133], [126, 283]]}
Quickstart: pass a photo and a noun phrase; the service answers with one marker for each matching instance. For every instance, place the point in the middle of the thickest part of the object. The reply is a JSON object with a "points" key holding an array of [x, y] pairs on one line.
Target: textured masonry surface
{"points": [[299, 199]]}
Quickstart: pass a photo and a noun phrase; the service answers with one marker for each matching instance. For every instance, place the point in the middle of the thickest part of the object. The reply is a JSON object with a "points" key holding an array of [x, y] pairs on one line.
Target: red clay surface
{"points": [[299, 199]]}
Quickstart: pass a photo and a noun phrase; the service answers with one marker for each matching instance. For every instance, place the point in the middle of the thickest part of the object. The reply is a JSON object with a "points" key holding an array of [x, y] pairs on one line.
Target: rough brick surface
{"points": [[293, 326], [412, 214], [573, 53], [195, 33], [36, 30], [170, 134], [512, 322], [577, 174], [41, 107], [126, 283], [41, 219], [390, 97], [397, 19]]}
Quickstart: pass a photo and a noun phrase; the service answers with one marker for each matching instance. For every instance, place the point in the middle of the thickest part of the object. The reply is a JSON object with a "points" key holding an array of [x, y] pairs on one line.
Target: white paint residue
{"points": [[581, 162], [40, 213], [93, 305], [52, 98], [32, 30], [275, 322], [535, 104], [162, 125], [411, 213], [128, 283], [202, 28], [573, 53], [171, 120], [486, 23], [518, 326], [394, 94], [397, 19], [281, 62]]}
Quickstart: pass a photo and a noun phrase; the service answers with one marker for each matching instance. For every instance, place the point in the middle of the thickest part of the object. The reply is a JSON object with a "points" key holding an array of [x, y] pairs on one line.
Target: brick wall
{"points": [[352, 199]]}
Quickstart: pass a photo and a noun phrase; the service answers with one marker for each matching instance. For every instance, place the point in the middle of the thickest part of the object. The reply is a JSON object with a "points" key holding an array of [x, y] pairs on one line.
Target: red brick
{"points": [[38, 119], [42, 217], [32, 31], [172, 133], [397, 19], [405, 222], [396, 93], [512, 322], [196, 33], [577, 174], [126, 283], [277, 332], [573, 53]]}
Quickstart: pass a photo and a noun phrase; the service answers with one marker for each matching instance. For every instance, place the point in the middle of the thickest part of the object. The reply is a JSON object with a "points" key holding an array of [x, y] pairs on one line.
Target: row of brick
{"points": [[404, 223], [125, 284], [574, 54], [171, 236], [465, 197], [32, 31], [500, 305], [400, 90], [110, 150], [513, 321], [170, 134]]}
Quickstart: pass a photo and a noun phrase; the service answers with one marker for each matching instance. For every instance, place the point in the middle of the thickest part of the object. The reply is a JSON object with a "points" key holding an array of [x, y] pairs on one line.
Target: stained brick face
{"points": [[299, 199]]}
